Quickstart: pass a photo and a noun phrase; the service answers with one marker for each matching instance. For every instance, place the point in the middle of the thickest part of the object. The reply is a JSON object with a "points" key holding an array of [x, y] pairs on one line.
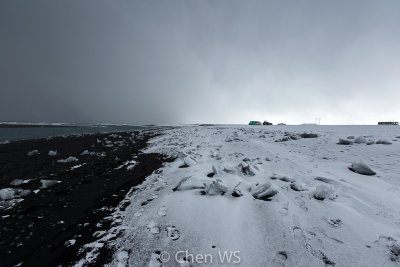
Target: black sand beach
{"points": [[35, 230]]}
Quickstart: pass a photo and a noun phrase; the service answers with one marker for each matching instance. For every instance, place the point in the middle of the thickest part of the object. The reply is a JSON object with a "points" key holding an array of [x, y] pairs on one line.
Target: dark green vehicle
{"points": [[254, 123]]}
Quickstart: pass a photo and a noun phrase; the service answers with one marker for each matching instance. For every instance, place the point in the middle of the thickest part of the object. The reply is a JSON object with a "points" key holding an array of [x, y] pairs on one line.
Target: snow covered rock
{"points": [[215, 188], [383, 142], [308, 135], [322, 192], [361, 168], [360, 140], [280, 177], [188, 183], [246, 169], [263, 191], [297, 187], [213, 173], [33, 152], [48, 183], [187, 162], [237, 191], [11, 193], [345, 142], [233, 137], [67, 160]]}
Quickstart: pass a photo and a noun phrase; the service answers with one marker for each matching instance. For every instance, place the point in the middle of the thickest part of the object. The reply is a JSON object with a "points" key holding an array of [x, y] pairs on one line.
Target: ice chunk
{"points": [[11, 193], [49, 183], [33, 152], [19, 182], [86, 152], [70, 243], [67, 160], [53, 153]]}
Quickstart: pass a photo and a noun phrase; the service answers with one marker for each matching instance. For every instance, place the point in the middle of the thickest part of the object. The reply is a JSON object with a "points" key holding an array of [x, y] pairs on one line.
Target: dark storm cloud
{"points": [[199, 61]]}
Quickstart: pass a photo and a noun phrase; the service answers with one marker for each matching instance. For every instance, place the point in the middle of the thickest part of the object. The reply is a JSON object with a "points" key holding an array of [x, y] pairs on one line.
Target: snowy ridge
{"points": [[273, 195]]}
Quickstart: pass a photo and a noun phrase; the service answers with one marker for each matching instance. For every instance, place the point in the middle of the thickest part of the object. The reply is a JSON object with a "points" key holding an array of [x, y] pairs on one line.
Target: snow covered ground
{"points": [[265, 196]]}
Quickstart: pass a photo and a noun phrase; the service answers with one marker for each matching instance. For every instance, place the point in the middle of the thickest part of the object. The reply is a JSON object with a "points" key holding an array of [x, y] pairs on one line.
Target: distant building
{"points": [[281, 123], [267, 123], [254, 123], [388, 123]]}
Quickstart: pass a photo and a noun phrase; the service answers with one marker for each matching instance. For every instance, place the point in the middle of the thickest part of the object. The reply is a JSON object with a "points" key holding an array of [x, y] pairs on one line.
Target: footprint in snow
{"points": [[153, 228], [279, 259], [155, 260], [138, 213], [162, 211], [172, 232]]}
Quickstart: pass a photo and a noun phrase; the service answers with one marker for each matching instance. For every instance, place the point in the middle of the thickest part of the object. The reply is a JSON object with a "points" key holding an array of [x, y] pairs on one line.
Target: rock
{"points": [[361, 168], [350, 137], [345, 142]]}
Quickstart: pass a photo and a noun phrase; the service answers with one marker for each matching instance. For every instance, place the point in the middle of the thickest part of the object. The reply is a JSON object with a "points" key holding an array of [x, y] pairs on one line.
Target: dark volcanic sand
{"points": [[32, 233]]}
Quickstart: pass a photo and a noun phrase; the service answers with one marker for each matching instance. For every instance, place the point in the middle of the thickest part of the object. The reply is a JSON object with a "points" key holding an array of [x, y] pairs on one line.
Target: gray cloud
{"points": [[199, 61]]}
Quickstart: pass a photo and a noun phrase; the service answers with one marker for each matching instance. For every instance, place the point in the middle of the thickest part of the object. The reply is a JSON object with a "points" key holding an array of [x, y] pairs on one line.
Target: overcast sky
{"points": [[185, 61]]}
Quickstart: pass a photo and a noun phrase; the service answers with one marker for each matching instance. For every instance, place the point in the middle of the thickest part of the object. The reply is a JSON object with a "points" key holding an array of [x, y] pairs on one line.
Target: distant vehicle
{"points": [[267, 123], [254, 123], [388, 123], [281, 123]]}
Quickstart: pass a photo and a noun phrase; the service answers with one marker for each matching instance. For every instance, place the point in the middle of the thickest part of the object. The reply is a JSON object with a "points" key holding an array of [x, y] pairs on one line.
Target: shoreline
{"points": [[43, 226]]}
